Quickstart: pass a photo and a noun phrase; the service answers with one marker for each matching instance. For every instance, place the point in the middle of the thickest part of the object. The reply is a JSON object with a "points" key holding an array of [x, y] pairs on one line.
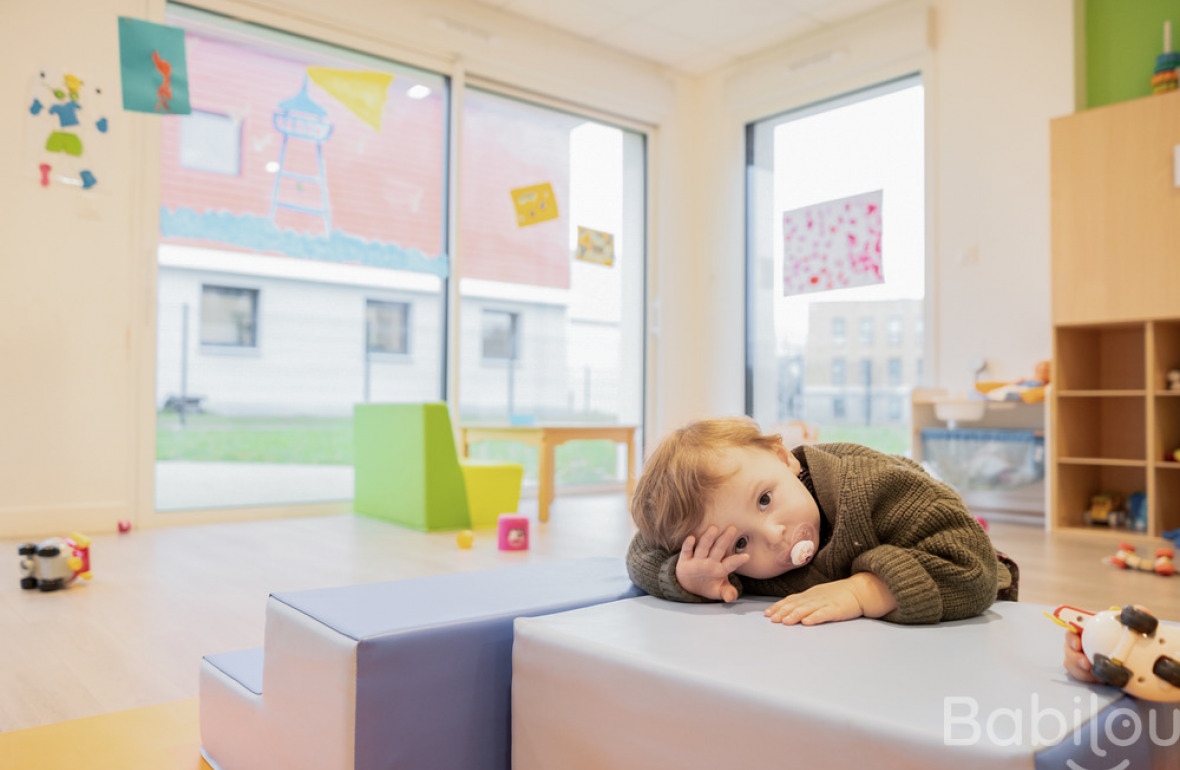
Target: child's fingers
{"points": [[706, 542], [782, 608], [789, 616], [733, 561], [686, 549], [723, 543]]}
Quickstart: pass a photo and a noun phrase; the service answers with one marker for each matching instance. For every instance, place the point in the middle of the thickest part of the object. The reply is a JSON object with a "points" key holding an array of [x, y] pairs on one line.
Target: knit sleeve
{"points": [[654, 570], [940, 566]]}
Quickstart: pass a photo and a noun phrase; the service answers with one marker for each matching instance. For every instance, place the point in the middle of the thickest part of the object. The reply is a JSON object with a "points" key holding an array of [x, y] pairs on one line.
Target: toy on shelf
{"points": [[1126, 558], [1137, 511], [465, 539], [1123, 647], [55, 563], [1029, 390], [1164, 77], [1106, 510], [513, 532], [1173, 379]]}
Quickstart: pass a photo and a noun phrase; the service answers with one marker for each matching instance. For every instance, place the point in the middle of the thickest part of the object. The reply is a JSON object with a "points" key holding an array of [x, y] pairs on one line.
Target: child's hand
{"points": [[862, 594], [1076, 662], [823, 603], [703, 568]]}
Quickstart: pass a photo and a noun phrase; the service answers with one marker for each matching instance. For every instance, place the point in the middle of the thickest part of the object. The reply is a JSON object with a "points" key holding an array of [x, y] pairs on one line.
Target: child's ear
{"points": [[788, 457]]}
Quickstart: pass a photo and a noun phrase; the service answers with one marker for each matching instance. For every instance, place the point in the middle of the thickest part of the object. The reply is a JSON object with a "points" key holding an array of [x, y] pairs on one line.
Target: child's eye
{"points": [[764, 501], [740, 544]]}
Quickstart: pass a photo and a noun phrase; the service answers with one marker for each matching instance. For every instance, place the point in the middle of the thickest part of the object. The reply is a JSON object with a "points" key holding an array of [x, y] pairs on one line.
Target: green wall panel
{"points": [[1123, 37]]}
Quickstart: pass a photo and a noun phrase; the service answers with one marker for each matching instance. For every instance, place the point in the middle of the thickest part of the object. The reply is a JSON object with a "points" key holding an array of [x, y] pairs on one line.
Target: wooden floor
{"points": [[160, 599]]}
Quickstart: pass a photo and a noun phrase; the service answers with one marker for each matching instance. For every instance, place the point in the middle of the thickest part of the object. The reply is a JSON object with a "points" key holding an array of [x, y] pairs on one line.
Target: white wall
{"points": [[1004, 69], [77, 273]]}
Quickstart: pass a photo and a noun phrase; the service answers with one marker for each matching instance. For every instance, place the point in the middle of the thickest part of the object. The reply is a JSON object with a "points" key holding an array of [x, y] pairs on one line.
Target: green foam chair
{"points": [[407, 471]]}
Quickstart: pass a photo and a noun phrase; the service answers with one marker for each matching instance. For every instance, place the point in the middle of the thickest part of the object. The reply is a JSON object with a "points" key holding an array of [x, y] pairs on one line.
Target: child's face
{"points": [[767, 504]]}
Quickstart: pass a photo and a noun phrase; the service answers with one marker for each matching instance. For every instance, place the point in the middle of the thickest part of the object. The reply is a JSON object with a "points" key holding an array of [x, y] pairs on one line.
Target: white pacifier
{"points": [[802, 552]]}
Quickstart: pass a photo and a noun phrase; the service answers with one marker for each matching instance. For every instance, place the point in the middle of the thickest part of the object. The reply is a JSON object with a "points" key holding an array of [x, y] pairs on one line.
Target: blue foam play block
{"points": [[434, 655]]}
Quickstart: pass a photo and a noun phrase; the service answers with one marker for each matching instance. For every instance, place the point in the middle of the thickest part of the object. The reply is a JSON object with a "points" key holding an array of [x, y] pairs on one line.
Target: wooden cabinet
{"points": [[1116, 310]]}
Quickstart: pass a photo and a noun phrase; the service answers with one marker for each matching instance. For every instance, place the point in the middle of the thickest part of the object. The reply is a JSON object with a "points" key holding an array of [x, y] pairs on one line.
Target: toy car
{"points": [[1128, 649], [54, 563]]}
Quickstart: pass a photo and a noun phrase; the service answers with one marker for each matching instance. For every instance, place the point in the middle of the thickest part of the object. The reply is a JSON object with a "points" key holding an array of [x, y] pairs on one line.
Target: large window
{"points": [[551, 282], [302, 221], [835, 236], [305, 266]]}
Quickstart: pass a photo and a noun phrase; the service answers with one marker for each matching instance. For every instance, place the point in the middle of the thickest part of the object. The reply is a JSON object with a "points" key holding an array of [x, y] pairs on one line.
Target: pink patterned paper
{"points": [[833, 245]]}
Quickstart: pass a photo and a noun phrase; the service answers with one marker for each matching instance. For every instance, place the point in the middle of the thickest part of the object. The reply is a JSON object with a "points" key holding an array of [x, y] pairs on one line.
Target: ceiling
{"points": [[691, 36]]}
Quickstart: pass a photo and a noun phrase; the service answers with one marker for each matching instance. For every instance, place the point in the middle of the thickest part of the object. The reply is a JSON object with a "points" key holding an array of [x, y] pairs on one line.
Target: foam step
{"points": [[403, 674]]}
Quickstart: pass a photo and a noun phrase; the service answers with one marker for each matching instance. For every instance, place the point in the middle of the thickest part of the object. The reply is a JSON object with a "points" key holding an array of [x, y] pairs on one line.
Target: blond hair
{"points": [[681, 474]]}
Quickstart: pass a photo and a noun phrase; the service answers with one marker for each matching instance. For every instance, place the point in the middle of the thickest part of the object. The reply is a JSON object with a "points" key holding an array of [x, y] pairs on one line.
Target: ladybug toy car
{"points": [[1128, 649]]}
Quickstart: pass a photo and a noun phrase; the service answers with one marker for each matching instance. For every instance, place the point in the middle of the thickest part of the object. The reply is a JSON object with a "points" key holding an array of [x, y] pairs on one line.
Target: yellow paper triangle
{"points": [[363, 93]]}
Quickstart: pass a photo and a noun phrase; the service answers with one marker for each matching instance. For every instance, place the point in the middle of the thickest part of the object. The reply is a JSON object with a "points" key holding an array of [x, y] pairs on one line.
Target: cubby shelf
{"points": [[1116, 311], [1109, 437]]}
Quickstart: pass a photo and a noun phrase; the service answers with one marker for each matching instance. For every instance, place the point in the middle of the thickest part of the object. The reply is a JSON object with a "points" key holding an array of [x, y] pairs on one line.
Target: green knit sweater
{"points": [[887, 517]]}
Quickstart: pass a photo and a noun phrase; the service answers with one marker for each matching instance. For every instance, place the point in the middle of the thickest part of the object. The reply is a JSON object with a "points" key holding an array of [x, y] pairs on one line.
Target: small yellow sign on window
{"points": [[534, 204], [595, 246]]}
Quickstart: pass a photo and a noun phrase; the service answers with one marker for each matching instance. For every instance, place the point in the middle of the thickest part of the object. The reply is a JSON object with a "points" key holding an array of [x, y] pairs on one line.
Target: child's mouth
{"points": [[801, 549]]}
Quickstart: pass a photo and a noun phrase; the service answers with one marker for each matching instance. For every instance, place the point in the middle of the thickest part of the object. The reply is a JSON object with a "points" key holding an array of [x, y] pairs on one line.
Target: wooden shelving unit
{"points": [[1116, 311]]}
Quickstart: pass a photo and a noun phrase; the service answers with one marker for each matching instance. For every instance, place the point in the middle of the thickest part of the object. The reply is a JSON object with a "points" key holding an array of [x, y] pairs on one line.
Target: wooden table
{"points": [[548, 437]]}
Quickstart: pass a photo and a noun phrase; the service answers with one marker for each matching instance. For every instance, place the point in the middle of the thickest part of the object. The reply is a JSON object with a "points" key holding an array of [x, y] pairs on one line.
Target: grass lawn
{"points": [[894, 440], [328, 441], [214, 438]]}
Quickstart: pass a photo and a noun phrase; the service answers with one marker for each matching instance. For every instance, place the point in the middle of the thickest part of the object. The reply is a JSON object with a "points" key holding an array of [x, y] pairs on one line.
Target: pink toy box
{"points": [[514, 532]]}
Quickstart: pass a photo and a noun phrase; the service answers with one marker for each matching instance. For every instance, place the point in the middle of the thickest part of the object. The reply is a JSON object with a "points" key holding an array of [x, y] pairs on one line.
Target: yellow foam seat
{"points": [[492, 488]]}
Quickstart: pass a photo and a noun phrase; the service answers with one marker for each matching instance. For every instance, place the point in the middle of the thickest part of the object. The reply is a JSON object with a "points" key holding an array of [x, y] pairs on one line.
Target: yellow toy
{"points": [[1030, 391]]}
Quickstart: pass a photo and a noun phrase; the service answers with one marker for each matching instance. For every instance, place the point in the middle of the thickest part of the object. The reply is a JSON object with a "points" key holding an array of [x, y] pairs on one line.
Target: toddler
{"points": [[840, 530]]}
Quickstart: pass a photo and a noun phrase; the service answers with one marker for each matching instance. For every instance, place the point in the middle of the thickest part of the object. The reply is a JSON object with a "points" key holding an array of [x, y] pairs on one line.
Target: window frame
{"points": [[839, 331], [839, 365], [187, 121], [255, 294], [513, 336], [406, 329], [912, 69]]}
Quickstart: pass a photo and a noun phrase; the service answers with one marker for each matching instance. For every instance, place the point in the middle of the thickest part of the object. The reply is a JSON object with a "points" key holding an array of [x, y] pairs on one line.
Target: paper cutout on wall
{"points": [[363, 93], [154, 67], [595, 246], [534, 204], [67, 126], [833, 245]]}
